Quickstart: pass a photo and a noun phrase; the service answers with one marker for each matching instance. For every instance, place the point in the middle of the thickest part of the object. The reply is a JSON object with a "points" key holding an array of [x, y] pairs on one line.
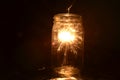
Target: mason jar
{"points": [[67, 46]]}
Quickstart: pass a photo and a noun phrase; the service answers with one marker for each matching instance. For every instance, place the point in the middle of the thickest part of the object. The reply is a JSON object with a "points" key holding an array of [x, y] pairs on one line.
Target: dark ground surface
{"points": [[25, 27]]}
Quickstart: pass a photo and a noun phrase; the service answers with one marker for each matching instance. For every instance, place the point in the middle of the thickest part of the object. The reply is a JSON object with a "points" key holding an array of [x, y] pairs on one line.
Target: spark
{"points": [[69, 38], [66, 36]]}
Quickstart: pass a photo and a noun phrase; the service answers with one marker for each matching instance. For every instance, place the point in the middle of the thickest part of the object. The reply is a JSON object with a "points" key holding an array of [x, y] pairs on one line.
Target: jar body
{"points": [[67, 44]]}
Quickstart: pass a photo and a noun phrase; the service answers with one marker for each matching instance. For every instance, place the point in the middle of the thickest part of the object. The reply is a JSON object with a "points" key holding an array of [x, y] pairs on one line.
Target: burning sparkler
{"points": [[69, 37]]}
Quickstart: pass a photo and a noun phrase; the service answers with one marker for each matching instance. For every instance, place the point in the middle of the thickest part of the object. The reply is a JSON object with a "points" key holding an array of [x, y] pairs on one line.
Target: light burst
{"points": [[69, 38], [66, 36]]}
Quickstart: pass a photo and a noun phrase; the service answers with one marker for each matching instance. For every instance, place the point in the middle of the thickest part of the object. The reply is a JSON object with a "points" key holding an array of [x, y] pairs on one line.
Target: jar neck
{"points": [[67, 17]]}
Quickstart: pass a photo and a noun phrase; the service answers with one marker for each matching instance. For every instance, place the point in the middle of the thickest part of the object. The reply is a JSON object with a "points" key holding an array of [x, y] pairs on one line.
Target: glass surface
{"points": [[67, 45]]}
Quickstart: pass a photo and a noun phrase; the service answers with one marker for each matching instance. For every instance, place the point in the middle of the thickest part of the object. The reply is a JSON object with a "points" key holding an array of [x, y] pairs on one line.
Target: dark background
{"points": [[25, 37]]}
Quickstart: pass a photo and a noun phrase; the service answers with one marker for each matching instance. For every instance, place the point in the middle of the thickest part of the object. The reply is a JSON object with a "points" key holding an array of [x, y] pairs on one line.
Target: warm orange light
{"points": [[67, 71], [70, 78], [66, 36], [67, 46]]}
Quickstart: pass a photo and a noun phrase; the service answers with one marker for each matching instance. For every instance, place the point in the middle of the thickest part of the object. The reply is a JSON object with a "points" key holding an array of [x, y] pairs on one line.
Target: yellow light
{"points": [[66, 36]]}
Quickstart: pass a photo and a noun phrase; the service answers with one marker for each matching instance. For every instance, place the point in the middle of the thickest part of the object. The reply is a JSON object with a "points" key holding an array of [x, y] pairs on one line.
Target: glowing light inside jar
{"points": [[66, 36], [69, 37]]}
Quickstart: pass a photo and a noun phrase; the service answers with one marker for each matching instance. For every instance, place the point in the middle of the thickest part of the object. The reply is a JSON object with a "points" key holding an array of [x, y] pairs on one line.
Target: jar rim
{"points": [[66, 15]]}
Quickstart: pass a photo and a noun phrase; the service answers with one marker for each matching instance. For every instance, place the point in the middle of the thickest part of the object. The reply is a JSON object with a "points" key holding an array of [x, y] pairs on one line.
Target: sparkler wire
{"points": [[68, 9]]}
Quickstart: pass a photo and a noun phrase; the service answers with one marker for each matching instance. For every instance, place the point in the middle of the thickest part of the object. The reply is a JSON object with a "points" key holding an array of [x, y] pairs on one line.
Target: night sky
{"points": [[25, 29]]}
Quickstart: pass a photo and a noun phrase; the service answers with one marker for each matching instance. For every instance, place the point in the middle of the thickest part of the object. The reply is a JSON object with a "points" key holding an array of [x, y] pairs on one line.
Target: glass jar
{"points": [[67, 46]]}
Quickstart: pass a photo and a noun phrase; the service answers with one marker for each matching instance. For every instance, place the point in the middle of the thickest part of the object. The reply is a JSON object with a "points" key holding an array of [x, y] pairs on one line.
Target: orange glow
{"points": [[67, 71], [67, 46], [70, 78], [66, 36]]}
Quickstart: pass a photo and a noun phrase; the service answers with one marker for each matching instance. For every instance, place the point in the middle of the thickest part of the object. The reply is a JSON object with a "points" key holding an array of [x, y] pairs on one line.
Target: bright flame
{"points": [[66, 36], [69, 38]]}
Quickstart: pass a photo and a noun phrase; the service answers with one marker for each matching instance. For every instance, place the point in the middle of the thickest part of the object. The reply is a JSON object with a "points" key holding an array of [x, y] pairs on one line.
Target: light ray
{"points": [[69, 38]]}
